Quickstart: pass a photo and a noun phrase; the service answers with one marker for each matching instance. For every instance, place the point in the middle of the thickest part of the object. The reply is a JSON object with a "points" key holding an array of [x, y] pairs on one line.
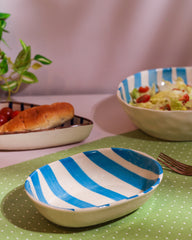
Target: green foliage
{"points": [[14, 73], [42, 59], [3, 18]]}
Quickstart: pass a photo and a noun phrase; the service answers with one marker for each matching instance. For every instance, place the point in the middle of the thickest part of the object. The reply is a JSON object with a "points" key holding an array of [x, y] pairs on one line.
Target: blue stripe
{"points": [[35, 180], [118, 171], [81, 120], [153, 78], [134, 196], [181, 72], [148, 190], [59, 191], [137, 80], [167, 74], [82, 178], [126, 89], [158, 181], [28, 188], [10, 105], [121, 93], [22, 106], [139, 160]]}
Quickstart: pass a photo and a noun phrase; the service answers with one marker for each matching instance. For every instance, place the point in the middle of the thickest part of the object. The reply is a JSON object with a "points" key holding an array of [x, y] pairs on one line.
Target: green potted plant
{"points": [[15, 73]]}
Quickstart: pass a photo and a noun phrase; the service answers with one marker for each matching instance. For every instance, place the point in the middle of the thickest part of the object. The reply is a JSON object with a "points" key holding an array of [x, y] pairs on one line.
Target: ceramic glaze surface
{"points": [[72, 131], [167, 125], [100, 181]]}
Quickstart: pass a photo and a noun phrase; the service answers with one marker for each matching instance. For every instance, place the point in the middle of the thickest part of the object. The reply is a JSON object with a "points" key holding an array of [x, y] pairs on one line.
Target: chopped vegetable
{"points": [[171, 96], [7, 114]]}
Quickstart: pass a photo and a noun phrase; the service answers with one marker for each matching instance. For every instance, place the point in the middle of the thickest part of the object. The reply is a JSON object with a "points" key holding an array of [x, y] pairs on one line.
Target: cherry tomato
{"points": [[15, 113], [3, 119], [177, 89], [184, 98], [6, 111], [143, 98], [143, 89], [166, 107]]}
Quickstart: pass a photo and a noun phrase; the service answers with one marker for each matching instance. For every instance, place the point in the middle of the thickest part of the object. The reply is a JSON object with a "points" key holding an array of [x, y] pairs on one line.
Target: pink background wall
{"points": [[94, 44]]}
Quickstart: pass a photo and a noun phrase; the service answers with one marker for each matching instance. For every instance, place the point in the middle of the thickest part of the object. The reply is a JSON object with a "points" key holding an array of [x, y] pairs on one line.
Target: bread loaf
{"points": [[40, 117]]}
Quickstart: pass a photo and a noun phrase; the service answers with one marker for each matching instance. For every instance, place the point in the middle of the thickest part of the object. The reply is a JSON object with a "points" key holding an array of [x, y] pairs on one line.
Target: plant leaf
{"points": [[3, 23], [4, 42], [29, 77], [3, 66], [42, 59], [23, 45], [36, 66], [4, 16], [5, 31], [1, 32], [23, 60], [11, 85], [2, 54]]}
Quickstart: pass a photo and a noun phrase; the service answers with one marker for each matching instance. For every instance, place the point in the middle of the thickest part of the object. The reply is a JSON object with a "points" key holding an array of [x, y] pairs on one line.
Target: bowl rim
{"points": [[148, 109], [109, 205]]}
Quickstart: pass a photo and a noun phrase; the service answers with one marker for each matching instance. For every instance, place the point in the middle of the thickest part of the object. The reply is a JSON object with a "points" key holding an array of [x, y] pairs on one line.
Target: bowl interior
{"points": [[149, 77], [94, 179]]}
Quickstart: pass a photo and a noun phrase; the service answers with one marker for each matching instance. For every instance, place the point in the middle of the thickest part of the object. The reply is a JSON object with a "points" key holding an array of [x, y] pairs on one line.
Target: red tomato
{"points": [[166, 107], [3, 119], [143, 98], [184, 98], [143, 89], [177, 89], [6, 111], [15, 113]]}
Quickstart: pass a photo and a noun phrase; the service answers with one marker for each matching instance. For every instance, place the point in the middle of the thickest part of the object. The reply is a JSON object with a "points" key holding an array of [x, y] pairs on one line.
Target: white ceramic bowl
{"points": [[72, 131], [167, 125], [94, 186]]}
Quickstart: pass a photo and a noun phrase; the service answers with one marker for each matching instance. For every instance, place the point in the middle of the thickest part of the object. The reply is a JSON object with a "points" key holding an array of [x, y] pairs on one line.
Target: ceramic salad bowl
{"points": [[167, 125]]}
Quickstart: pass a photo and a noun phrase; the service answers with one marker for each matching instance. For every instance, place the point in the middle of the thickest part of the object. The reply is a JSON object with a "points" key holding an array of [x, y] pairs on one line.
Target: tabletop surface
{"points": [[166, 215]]}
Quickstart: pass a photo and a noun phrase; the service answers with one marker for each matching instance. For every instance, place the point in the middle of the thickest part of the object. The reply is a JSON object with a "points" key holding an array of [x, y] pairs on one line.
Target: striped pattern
{"points": [[16, 105], [148, 77], [94, 179]]}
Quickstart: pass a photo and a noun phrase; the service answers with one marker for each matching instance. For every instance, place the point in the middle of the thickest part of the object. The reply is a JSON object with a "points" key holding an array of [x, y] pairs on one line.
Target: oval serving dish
{"points": [[93, 187], [72, 131]]}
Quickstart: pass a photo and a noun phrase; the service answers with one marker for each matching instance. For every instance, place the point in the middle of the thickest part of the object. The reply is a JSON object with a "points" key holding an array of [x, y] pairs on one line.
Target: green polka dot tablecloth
{"points": [[166, 215]]}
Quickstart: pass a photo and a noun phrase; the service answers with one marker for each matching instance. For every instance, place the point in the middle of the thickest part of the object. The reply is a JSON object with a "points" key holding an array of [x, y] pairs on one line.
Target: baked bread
{"points": [[40, 117]]}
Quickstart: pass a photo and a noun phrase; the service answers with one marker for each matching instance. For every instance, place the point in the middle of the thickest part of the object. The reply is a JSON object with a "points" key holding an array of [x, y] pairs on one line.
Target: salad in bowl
{"points": [[170, 96]]}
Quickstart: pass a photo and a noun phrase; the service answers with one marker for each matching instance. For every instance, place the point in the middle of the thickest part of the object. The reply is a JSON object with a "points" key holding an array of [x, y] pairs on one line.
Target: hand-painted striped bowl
{"points": [[72, 131], [167, 125], [94, 186]]}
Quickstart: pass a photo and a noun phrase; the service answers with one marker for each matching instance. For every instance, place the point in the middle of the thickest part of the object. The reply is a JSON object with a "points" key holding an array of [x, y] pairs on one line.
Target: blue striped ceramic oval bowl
{"points": [[167, 125], [93, 187]]}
